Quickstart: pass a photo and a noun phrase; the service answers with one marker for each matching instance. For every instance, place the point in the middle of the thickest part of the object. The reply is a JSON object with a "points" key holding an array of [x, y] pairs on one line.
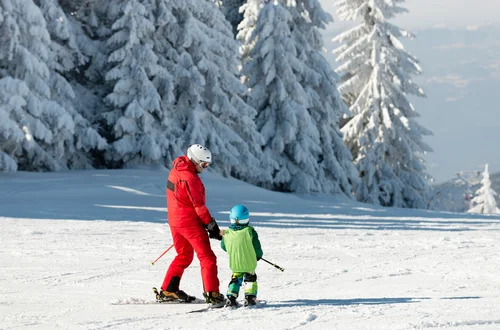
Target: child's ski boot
{"points": [[231, 301], [250, 300]]}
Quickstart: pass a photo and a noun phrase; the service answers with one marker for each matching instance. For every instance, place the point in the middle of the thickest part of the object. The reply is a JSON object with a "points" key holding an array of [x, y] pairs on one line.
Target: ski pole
{"points": [[273, 264], [171, 246]]}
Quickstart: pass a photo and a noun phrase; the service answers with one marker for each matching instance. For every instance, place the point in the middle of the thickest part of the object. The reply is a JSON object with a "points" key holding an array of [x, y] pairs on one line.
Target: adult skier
{"points": [[189, 221]]}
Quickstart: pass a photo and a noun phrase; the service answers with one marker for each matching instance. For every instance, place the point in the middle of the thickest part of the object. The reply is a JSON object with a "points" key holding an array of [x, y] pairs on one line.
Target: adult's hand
{"points": [[213, 230]]}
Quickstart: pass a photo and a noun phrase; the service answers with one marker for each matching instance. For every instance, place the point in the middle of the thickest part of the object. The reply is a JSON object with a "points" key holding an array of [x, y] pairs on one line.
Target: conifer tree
{"points": [[65, 58], [134, 120], [383, 134], [231, 10], [91, 24], [200, 98], [484, 200], [24, 53], [208, 96], [294, 90], [337, 172], [167, 29], [14, 137], [272, 73]]}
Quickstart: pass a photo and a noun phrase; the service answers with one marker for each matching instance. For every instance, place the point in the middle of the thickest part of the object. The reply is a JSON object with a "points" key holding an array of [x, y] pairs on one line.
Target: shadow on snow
{"points": [[356, 301]]}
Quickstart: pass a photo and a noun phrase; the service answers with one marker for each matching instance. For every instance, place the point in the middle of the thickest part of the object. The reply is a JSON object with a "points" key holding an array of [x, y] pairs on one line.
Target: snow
{"points": [[76, 253]]}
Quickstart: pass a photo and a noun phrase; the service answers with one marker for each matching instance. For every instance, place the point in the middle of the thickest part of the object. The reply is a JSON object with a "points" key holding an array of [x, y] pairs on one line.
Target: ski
{"points": [[139, 301], [259, 304], [205, 309]]}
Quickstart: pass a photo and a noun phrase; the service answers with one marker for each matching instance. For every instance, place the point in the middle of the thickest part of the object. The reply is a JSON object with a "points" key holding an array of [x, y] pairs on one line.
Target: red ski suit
{"points": [[188, 217]]}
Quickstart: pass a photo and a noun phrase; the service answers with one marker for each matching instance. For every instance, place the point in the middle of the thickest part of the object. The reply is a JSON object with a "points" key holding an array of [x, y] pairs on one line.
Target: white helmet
{"points": [[199, 154]]}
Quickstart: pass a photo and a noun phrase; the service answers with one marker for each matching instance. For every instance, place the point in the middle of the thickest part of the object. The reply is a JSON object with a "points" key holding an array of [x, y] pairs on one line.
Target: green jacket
{"points": [[243, 247]]}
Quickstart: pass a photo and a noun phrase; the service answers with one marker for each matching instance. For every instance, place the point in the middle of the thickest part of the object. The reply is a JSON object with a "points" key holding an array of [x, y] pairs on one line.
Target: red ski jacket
{"points": [[186, 195]]}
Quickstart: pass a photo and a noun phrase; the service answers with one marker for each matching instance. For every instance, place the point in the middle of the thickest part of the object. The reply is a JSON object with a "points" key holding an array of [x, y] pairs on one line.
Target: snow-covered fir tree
{"points": [[208, 95], [24, 54], [231, 10], [65, 58], [383, 134], [166, 28], [13, 135], [250, 10], [198, 89], [272, 73], [294, 90], [94, 86], [484, 200], [91, 23], [326, 107], [134, 122]]}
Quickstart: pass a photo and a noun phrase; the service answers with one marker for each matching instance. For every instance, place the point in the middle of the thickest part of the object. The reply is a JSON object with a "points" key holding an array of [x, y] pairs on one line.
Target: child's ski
{"points": [[259, 303], [205, 309]]}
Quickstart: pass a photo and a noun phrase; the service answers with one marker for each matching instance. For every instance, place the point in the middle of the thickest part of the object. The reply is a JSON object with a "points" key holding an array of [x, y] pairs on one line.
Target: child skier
{"points": [[242, 244]]}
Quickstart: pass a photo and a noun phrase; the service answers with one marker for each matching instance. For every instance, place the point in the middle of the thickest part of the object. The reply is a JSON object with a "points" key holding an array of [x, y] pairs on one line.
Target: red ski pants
{"points": [[188, 240]]}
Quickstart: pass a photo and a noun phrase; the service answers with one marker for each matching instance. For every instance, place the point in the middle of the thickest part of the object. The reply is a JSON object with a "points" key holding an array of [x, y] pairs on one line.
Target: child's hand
{"points": [[222, 232]]}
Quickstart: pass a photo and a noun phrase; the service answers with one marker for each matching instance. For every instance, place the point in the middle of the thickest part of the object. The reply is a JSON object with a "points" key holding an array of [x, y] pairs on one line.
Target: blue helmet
{"points": [[239, 215]]}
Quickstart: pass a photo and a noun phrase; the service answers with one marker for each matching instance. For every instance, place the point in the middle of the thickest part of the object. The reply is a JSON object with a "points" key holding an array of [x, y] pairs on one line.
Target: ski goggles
{"points": [[204, 164]]}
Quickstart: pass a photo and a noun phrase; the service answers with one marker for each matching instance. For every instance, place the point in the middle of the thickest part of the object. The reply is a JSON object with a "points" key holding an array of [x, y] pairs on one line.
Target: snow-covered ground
{"points": [[76, 251]]}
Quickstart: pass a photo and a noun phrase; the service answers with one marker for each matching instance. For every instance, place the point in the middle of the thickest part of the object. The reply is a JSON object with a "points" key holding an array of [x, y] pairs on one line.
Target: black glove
{"points": [[213, 230]]}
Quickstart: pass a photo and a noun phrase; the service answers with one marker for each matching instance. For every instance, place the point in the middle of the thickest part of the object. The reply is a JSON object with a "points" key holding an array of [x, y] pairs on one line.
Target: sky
{"points": [[458, 45], [429, 13], [77, 248]]}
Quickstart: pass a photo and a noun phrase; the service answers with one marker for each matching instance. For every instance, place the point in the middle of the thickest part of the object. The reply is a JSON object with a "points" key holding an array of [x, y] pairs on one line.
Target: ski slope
{"points": [[76, 252]]}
